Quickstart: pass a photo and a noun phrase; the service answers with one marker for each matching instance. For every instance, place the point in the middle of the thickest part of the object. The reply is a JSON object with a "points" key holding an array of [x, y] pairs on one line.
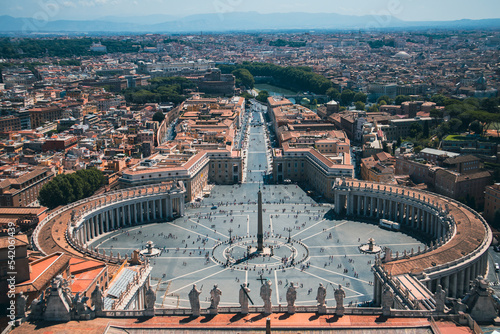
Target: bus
{"points": [[389, 225]]}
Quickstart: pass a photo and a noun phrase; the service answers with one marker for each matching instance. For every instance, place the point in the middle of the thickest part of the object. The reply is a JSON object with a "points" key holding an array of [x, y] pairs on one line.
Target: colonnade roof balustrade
{"points": [[50, 234], [472, 235]]}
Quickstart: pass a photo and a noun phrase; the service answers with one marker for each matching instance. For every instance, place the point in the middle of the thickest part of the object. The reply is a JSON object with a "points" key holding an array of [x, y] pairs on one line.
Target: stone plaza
{"points": [[197, 249]]}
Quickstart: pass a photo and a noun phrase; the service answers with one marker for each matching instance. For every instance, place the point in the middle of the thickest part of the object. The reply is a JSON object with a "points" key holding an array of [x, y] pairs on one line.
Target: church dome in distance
{"points": [[402, 55]]}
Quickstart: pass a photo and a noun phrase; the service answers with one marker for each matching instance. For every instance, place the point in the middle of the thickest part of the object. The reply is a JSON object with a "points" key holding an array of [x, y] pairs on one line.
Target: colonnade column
{"points": [[129, 218]]}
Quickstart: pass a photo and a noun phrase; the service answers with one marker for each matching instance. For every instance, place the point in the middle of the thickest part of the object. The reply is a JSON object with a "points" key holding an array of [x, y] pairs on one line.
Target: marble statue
{"points": [[215, 294], [339, 297], [387, 300], [291, 296], [21, 305], [265, 294], [321, 295], [244, 292], [150, 299], [97, 299], [80, 307], [37, 306], [194, 300], [440, 298]]}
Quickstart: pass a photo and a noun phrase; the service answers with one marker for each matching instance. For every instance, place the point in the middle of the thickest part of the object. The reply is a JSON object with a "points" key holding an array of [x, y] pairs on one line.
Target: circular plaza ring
{"points": [[279, 253]]}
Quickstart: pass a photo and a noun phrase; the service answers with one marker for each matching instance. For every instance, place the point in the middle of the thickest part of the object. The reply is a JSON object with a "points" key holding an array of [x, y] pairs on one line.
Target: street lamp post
{"points": [[289, 230], [230, 238]]}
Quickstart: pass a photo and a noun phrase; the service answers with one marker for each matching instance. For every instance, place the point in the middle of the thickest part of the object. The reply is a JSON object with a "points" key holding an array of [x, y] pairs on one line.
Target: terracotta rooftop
{"points": [[42, 271], [21, 240], [280, 323]]}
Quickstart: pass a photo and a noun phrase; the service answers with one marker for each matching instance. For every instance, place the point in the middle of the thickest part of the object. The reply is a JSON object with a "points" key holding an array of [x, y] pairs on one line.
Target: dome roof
{"points": [[402, 54]]}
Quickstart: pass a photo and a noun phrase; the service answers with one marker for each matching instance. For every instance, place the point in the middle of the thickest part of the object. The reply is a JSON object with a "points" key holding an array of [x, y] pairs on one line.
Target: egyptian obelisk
{"points": [[260, 234]]}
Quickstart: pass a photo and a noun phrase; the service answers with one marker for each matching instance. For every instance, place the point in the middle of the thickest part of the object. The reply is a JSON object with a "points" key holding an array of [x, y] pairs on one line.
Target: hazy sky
{"points": [[410, 10]]}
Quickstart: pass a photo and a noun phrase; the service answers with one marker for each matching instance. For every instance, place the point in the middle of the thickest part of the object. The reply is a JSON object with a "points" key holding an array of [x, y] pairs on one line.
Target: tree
{"points": [[438, 99], [359, 105], [263, 96], [333, 94], [385, 147], [347, 97], [384, 98], [426, 130], [246, 95], [401, 98], [244, 77], [360, 97], [436, 113], [68, 188], [415, 130], [476, 127], [455, 124], [490, 104], [158, 116]]}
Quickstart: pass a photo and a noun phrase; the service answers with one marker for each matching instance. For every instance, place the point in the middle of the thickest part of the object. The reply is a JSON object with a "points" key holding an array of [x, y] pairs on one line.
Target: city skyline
{"points": [[425, 10]]}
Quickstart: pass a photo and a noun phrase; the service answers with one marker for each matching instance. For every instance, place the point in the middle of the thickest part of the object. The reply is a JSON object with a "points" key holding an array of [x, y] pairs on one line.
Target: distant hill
{"points": [[234, 21]]}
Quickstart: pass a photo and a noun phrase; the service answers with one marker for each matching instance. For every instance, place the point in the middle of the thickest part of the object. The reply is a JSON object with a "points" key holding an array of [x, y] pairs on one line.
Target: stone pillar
{"points": [[337, 200], [460, 284], [365, 206], [350, 203], [161, 208], [108, 221], [384, 211], [467, 278], [84, 227], [446, 284], [92, 228], [181, 205], [358, 209], [453, 286], [141, 211]]}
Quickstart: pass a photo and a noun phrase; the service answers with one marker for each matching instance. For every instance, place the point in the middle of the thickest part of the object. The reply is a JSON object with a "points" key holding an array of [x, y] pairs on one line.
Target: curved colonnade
{"points": [[458, 252], [89, 218]]}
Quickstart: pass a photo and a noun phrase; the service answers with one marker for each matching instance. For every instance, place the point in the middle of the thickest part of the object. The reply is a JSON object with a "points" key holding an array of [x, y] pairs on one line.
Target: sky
{"points": [[408, 10]]}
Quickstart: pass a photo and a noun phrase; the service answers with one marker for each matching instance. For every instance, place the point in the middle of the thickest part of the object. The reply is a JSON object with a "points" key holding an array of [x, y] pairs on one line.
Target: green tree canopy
{"points": [[360, 97], [68, 188], [415, 130], [158, 116], [384, 98], [359, 105], [263, 95], [333, 94], [244, 77], [347, 97], [163, 89], [401, 98], [297, 78]]}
